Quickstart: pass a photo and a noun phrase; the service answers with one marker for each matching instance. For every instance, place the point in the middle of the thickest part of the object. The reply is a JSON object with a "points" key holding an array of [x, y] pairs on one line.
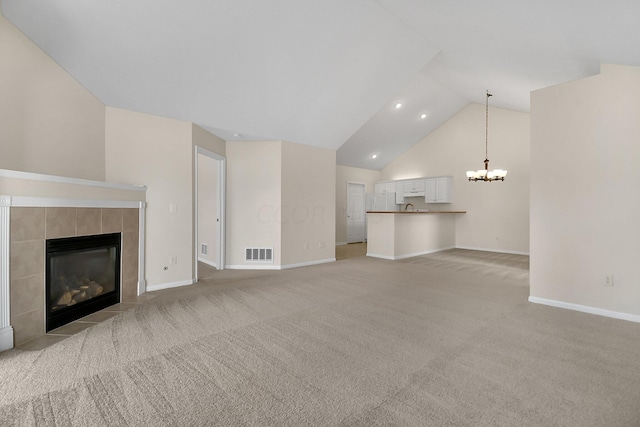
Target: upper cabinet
{"points": [[385, 187], [439, 190], [399, 192], [414, 187]]}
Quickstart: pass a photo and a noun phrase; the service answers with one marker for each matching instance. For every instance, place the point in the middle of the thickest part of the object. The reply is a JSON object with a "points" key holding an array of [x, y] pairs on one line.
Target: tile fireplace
{"points": [[38, 209], [31, 228]]}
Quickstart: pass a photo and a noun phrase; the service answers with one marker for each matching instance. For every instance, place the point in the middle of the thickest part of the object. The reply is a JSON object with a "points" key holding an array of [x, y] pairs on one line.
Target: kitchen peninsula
{"points": [[404, 234]]}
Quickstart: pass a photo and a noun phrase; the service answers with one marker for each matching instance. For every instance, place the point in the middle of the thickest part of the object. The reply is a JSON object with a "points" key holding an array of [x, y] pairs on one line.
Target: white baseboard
{"points": [[500, 251], [252, 267], [586, 309], [206, 261], [142, 288], [6, 338], [306, 264], [394, 258], [277, 267], [341, 243], [151, 288], [372, 255]]}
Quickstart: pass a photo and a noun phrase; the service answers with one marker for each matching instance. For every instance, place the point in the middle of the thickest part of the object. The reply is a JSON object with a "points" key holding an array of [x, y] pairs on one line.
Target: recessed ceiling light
{"points": [[423, 115], [398, 105], [373, 156], [236, 135]]}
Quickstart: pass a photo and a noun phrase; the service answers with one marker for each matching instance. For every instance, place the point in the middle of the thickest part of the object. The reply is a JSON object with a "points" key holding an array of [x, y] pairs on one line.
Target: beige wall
{"points": [[254, 199], [345, 174], [308, 204], [497, 216], [48, 122], [584, 216], [157, 152]]}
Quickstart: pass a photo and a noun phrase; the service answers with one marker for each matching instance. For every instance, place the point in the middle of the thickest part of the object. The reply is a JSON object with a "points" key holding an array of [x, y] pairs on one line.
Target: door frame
{"points": [[364, 209], [221, 197]]}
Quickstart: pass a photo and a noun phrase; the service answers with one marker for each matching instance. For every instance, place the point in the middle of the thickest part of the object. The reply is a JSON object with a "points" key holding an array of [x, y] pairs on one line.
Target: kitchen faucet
{"points": [[407, 206]]}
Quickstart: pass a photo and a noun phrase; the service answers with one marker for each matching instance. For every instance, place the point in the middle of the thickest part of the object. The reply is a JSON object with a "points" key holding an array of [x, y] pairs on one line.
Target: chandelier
{"points": [[485, 174]]}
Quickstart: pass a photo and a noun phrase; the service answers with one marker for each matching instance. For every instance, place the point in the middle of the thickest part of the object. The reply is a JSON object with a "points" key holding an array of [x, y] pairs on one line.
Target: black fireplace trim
{"points": [[77, 244]]}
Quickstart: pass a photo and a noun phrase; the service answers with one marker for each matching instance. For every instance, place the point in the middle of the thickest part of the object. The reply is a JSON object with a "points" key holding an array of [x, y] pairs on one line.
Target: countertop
{"points": [[416, 212]]}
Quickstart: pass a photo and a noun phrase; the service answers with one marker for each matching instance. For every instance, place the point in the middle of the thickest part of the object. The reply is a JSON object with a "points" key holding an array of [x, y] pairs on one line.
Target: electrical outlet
{"points": [[173, 259], [608, 281], [321, 245], [306, 246]]}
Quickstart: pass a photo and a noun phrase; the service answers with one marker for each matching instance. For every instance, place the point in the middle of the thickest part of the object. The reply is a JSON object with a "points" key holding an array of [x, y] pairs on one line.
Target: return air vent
{"points": [[258, 254]]}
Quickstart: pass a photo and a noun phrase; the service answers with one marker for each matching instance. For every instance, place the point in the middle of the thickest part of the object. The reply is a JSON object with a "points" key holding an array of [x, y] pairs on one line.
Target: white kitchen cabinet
{"points": [[439, 189], [384, 187], [390, 187], [399, 192], [414, 187]]}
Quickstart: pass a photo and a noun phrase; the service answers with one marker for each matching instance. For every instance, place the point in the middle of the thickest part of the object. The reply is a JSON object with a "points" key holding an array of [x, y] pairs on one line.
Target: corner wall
{"points": [[308, 204], [254, 200], [280, 195], [497, 217], [157, 152], [584, 213]]}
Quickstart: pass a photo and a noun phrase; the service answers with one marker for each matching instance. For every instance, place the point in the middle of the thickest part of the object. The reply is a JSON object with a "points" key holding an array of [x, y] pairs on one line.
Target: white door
{"points": [[355, 212], [209, 236]]}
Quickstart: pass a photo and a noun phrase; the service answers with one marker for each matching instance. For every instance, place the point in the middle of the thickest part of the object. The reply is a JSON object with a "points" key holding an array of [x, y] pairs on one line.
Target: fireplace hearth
{"points": [[82, 276]]}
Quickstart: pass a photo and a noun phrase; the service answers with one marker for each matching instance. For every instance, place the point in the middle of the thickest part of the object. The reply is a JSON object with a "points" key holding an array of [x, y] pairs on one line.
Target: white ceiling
{"points": [[327, 73]]}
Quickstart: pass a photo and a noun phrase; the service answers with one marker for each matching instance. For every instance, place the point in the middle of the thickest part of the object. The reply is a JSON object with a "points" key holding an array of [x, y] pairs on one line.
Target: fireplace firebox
{"points": [[82, 277]]}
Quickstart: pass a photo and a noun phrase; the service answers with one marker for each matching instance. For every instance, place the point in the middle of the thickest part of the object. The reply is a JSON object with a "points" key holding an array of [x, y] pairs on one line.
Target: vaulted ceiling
{"points": [[327, 73]]}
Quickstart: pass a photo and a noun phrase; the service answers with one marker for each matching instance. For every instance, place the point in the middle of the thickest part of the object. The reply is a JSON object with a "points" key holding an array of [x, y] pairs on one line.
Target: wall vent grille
{"points": [[204, 250], [258, 254]]}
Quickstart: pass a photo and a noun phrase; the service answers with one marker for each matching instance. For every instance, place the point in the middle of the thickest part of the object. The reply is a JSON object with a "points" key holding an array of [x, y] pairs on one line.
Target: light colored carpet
{"points": [[445, 339]]}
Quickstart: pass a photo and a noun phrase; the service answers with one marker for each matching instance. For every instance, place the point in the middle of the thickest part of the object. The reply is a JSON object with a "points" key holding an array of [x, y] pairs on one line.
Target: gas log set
{"points": [[69, 291]]}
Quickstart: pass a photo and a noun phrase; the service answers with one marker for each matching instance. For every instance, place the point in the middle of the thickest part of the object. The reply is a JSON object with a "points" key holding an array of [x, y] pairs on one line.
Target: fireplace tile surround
{"points": [[36, 207], [29, 229]]}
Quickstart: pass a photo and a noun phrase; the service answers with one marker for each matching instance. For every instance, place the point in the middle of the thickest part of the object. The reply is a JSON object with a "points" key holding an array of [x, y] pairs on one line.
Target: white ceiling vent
{"points": [[258, 254]]}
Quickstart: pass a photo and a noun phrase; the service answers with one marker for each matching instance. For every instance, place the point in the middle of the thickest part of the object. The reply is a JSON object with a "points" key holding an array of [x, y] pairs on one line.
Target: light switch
{"points": [[173, 207]]}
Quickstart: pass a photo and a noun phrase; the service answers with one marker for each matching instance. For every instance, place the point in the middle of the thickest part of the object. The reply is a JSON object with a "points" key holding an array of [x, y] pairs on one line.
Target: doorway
{"points": [[355, 212], [210, 185]]}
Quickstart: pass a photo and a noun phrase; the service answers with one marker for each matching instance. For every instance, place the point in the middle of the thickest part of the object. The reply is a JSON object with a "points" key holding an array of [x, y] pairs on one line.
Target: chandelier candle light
{"points": [[485, 174]]}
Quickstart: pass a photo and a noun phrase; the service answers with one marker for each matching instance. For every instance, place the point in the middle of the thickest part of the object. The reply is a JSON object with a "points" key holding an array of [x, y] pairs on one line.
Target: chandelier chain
{"points": [[486, 128]]}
